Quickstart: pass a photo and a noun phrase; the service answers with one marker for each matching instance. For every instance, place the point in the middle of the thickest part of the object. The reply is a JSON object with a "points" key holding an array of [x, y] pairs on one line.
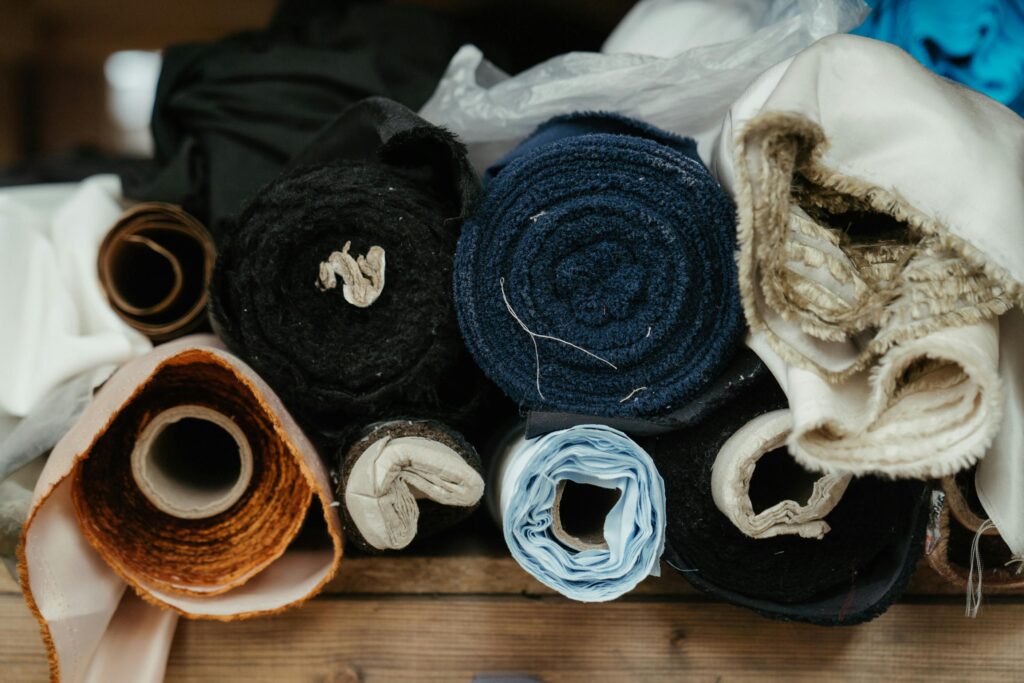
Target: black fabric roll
{"points": [[229, 115], [851, 575], [430, 483], [379, 177]]}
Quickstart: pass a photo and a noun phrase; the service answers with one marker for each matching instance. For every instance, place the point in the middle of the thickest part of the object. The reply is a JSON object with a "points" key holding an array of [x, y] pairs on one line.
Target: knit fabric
{"points": [[850, 575], [596, 275], [379, 177]]}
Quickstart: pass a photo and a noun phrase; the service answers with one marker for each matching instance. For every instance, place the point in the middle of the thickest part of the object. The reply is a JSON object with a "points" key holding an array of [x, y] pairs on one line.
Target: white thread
{"points": [[363, 278], [534, 336], [1019, 561], [632, 393], [974, 591]]}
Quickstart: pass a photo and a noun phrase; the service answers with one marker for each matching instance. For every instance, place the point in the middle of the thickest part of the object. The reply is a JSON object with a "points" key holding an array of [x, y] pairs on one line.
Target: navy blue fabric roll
{"points": [[596, 275]]}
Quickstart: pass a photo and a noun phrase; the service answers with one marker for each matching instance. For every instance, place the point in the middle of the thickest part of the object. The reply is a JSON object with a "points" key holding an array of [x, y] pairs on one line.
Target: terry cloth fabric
{"points": [[978, 43], [871, 288], [582, 510], [155, 266], [596, 275], [852, 574], [56, 323], [688, 93], [406, 479], [117, 506], [229, 115], [386, 191]]}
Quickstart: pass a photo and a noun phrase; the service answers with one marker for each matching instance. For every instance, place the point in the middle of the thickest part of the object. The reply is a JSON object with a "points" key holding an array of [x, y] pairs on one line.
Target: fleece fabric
{"points": [[596, 275]]}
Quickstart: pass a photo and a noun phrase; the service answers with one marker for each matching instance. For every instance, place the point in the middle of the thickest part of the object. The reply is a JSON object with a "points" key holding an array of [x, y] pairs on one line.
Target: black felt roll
{"points": [[433, 516], [851, 575], [378, 177]]}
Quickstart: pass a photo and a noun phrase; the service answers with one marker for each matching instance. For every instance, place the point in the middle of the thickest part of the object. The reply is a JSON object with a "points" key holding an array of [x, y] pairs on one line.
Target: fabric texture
{"points": [[378, 177], [91, 532], [531, 476], [596, 274], [871, 289], [57, 324], [852, 574], [978, 43], [687, 94], [230, 115], [406, 479]]}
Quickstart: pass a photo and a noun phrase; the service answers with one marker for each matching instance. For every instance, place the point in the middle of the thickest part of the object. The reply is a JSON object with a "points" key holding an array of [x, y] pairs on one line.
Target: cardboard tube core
{"points": [[146, 277], [192, 462], [579, 513]]}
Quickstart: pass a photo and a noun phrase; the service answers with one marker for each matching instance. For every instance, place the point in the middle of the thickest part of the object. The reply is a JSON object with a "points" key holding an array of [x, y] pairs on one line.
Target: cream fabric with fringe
{"points": [[881, 232]]}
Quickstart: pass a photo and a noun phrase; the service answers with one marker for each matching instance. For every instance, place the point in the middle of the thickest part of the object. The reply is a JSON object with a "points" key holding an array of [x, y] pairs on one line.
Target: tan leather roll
{"points": [[155, 265]]}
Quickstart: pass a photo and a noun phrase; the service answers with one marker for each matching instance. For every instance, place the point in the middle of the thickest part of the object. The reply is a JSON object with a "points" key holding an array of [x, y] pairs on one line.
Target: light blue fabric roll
{"points": [[634, 529]]}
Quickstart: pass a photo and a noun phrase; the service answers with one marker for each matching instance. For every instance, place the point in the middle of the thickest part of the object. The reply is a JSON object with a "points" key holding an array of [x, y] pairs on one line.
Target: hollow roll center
{"points": [[192, 462], [778, 477], [144, 274], [579, 514]]}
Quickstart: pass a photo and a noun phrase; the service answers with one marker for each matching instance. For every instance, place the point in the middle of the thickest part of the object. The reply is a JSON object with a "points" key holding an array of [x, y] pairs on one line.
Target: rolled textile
{"points": [[336, 285], [596, 275], [187, 481], [851, 574], [870, 288], [979, 43], [582, 510], [229, 115], [155, 265], [406, 479], [57, 324], [687, 93]]}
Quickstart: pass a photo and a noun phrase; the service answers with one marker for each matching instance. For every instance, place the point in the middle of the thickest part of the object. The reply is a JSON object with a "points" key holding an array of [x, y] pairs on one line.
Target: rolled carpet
{"points": [[858, 567], [187, 481], [406, 479], [155, 265], [582, 510], [596, 275], [336, 284]]}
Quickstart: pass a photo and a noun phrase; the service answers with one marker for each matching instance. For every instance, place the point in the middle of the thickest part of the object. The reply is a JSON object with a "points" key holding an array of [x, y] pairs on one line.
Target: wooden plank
{"points": [[453, 638]]}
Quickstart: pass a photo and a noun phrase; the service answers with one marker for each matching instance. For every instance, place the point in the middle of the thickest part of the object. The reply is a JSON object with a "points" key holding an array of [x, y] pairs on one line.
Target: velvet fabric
{"points": [[378, 177], [596, 275], [852, 574]]}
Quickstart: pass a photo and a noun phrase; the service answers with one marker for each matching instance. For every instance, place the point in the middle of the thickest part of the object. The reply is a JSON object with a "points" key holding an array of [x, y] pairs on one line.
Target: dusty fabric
{"points": [[852, 574], [596, 275], [379, 176], [859, 264], [406, 479], [743, 456], [91, 533]]}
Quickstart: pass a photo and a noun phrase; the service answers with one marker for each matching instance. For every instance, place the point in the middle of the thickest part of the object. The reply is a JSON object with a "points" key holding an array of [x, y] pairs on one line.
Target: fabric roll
{"points": [[229, 115], [582, 510], [406, 479], [186, 481], [753, 469], [870, 289], [979, 43], [56, 323], [336, 286], [155, 265], [852, 574], [596, 274], [688, 93]]}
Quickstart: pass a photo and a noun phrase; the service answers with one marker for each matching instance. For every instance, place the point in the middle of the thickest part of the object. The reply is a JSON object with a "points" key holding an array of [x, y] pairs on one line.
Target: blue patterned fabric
{"points": [[979, 43], [634, 529], [596, 275]]}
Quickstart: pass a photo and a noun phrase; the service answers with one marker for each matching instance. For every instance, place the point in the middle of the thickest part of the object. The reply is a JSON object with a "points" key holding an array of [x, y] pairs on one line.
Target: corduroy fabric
{"points": [[849, 576], [379, 176], [610, 235]]}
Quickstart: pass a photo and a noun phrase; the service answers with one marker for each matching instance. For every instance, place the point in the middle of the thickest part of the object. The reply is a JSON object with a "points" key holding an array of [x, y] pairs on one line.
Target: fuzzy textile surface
{"points": [[528, 485], [425, 514], [851, 575], [979, 43], [378, 177], [596, 275]]}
